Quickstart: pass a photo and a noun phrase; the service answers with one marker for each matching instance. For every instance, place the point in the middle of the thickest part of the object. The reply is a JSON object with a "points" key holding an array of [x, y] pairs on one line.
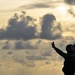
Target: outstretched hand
{"points": [[53, 45]]}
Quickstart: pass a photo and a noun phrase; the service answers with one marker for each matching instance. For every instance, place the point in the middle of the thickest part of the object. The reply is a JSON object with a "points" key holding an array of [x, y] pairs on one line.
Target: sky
{"points": [[27, 28], [32, 7]]}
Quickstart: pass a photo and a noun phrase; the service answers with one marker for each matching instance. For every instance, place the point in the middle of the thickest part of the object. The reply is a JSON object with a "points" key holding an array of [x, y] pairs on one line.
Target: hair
{"points": [[69, 48]]}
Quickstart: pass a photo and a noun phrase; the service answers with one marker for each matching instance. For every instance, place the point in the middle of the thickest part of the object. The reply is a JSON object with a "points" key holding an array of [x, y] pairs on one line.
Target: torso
{"points": [[69, 63]]}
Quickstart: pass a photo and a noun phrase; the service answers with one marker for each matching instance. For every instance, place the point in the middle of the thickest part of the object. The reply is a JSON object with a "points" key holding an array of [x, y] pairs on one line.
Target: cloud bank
{"points": [[24, 27]]}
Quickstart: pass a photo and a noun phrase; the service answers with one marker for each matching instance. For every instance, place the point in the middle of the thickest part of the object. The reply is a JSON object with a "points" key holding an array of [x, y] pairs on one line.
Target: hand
{"points": [[53, 45]]}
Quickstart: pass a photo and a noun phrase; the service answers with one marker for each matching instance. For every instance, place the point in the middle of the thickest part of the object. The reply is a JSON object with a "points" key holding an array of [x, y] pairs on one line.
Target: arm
{"points": [[59, 51]]}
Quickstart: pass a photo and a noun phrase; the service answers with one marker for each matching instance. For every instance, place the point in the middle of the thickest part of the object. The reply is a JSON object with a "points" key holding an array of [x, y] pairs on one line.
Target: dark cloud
{"points": [[48, 29], [70, 2], [24, 27], [19, 45], [32, 57], [19, 27]]}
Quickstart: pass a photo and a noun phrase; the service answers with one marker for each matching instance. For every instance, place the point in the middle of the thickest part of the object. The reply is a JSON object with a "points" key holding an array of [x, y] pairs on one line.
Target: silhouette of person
{"points": [[69, 57]]}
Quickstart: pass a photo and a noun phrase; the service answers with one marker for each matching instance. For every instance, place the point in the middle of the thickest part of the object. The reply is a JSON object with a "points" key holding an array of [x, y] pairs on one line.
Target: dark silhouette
{"points": [[69, 63]]}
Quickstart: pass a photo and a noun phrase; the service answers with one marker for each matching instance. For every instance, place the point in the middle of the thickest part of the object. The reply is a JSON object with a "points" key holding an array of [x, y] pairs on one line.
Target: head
{"points": [[73, 48], [69, 48]]}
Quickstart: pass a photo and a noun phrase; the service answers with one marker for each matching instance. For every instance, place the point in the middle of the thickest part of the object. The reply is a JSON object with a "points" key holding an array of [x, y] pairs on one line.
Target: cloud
{"points": [[47, 53], [32, 57], [22, 60], [48, 62], [32, 6], [24, 45], [40, 4], [30, 64], [48, 29], [19, 27], [24, 27], [10, 53], [61, 43], [18, 45], [6, 46], [26, 63], [71, 12], [37, 5], [70, 2]]}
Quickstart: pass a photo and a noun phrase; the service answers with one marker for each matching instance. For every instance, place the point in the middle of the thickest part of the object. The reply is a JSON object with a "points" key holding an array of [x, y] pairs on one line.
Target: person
{"points": [[69, 57]]}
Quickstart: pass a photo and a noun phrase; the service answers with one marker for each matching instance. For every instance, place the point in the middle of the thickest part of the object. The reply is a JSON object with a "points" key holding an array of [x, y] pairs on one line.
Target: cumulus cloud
{"points": [[24, 27], [48, 29], [19, 27]]}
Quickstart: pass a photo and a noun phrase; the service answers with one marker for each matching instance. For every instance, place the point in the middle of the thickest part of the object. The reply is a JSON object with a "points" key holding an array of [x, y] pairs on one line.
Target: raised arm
{"points": [[58, 50]]}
